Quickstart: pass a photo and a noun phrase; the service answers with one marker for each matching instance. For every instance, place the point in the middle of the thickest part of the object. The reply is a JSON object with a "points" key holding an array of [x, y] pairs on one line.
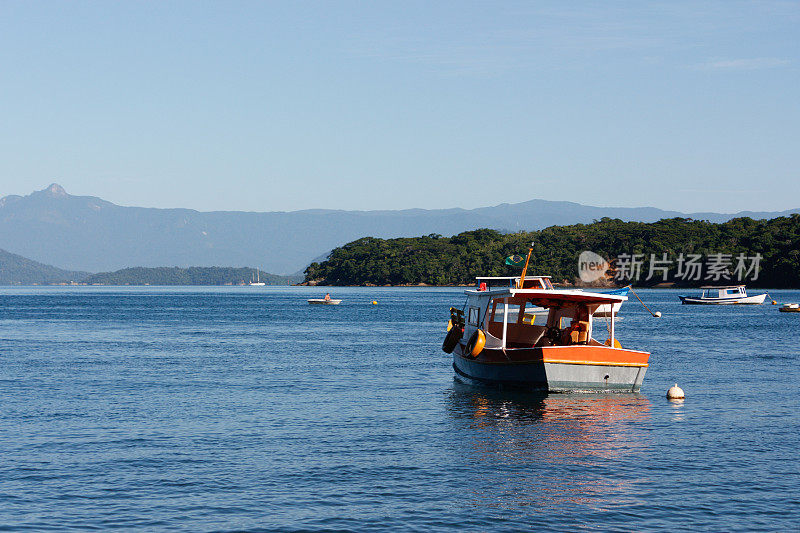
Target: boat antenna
{"points": [[525, 268]]}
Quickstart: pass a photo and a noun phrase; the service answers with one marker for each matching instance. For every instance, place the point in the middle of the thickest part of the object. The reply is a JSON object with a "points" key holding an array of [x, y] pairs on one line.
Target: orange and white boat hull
{"points": [[556, 368]]}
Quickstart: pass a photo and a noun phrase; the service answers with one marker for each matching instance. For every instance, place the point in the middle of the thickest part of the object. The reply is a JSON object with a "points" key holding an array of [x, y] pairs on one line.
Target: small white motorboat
{"points": [[732, 294], [324, 301], [789, 308]]}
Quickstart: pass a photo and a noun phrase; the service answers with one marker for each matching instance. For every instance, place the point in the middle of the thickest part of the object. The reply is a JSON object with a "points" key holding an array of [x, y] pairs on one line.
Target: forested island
{"points": [[18, 270], [437, 260], [186, 276]]}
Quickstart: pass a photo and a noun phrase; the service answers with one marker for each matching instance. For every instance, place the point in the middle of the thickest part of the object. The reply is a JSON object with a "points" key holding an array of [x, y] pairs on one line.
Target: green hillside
{"points": [[18, 270], [437, 260], [186, 276]]}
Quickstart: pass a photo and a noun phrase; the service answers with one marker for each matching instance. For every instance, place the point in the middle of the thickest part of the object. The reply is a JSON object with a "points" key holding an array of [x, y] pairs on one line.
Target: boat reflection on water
{"points": [[552, 451]]}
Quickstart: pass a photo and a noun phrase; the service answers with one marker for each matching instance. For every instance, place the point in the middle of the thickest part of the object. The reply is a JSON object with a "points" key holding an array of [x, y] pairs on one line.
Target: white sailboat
{"points": [[257, 282]]}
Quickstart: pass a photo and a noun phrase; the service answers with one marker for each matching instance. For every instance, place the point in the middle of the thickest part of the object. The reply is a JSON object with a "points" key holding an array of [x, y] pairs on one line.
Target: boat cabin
{"points": [[530, 318], [731, 291], [531, 282]]}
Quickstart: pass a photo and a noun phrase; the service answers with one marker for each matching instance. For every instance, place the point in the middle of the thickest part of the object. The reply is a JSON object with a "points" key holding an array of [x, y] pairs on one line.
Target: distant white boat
{"points": [[257, 282], [790, 308], [727, 295]]}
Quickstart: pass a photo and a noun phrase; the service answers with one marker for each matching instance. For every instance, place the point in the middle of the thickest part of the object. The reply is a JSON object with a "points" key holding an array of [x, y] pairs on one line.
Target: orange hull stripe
{"points": [[594, 355], [569, 355]]}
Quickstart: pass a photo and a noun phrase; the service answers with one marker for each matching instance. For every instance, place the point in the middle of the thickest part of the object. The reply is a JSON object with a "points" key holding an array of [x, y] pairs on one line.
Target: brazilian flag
{"points": [[515, 260]]}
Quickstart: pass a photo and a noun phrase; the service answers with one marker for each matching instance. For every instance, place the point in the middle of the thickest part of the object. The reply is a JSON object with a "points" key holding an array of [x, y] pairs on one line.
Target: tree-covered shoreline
{"points": [[441, 261]]}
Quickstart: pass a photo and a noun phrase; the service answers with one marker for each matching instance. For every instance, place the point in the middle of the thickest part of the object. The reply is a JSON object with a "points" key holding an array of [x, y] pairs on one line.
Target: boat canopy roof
{"points": [[542, 295], [510, 277], [722, 286]]}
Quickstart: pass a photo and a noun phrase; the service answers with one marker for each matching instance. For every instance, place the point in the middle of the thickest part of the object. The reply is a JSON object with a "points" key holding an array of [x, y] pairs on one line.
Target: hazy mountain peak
{"points": [[55, 190], [10, 198]]}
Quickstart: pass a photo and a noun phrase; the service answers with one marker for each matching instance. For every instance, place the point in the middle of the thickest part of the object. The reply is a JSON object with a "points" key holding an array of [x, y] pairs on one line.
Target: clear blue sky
{"points": [[377, 105]]}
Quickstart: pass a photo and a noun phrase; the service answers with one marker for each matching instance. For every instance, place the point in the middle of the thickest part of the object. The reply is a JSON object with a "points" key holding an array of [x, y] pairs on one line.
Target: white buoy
{"points": [[675, 393], [657, 314]]}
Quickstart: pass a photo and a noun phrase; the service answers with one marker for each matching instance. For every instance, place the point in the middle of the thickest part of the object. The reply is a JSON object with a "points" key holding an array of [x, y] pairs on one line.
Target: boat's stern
{"points": [[605, 369]]}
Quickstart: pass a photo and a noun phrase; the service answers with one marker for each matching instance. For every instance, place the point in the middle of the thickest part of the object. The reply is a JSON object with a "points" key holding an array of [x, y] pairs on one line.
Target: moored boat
{"points": [[496, 340], [789, 308], [724, 295]]}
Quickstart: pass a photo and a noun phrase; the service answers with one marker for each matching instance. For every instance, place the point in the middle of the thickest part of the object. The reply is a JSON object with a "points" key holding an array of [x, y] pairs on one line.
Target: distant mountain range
{"points": [[85, 233]]}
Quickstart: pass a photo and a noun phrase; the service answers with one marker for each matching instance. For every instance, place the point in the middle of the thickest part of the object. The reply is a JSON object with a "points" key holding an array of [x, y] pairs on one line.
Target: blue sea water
{"points": [[246, 409]]}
